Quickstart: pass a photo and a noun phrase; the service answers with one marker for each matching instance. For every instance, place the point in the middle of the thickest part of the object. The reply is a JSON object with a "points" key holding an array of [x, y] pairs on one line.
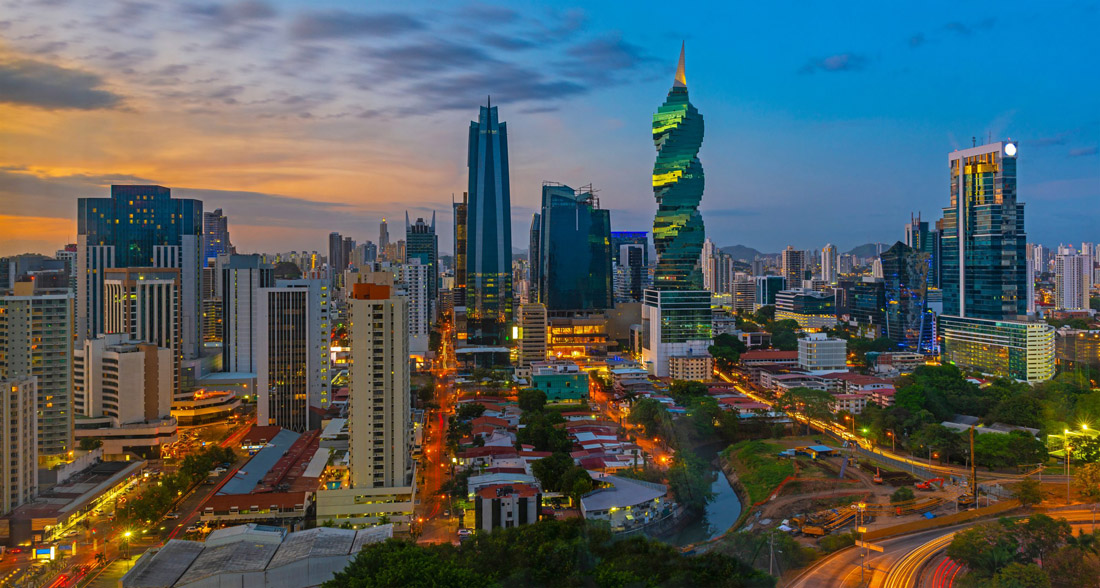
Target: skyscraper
{"points": [[983, 241], [384, 235], [920, 238], [1071, 280], [709, 264], [140, 226], [574, 257], [242, 277], [908, 321], [215, 236], [336, 259], [488, 231], [793, 266], [533, 256], [36, 341], [18, 442], [678, 184], [460, 209], [379, 411], [422, 244], [144, 305], [828, 263]]}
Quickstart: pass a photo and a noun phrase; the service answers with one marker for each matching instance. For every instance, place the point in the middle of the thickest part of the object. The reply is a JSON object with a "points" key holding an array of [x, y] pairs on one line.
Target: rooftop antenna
{"points": [[973, 141]]}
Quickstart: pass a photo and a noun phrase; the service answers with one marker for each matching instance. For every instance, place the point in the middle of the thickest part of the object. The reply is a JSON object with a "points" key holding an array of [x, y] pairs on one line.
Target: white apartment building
{"points": [[18, 443], [819, 353], [143, 304]]}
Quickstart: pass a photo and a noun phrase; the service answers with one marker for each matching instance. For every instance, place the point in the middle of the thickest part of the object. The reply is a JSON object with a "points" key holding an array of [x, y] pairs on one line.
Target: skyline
{"points": [[328, 119]]}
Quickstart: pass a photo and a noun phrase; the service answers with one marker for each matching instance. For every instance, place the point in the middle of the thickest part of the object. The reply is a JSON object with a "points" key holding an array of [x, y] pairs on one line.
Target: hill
{"points": [[744, 252], [867, 249]]}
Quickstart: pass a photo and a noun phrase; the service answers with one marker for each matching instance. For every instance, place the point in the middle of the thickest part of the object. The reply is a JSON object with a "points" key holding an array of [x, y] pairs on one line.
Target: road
{"points": [[436, 466], [902, 562]]}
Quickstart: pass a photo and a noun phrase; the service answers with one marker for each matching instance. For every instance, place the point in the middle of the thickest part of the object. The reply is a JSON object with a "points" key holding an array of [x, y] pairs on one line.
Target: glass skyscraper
{"points": [[908, 320], [488, 232], [574, 253], [983, 241], [422, 243], [678, 231], [139, 226]]}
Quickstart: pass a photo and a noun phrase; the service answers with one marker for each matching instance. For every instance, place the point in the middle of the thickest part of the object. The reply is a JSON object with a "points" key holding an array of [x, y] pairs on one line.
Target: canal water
{"points": [[720, 515]]}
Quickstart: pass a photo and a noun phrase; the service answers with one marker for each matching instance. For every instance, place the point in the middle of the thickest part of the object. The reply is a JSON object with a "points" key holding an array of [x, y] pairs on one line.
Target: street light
{"points": [[862, 537], [1065, 448]]}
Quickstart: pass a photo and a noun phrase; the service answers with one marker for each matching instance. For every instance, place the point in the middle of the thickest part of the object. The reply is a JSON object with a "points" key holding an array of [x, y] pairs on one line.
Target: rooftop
{"points": [[623, 492], [258, 467]]}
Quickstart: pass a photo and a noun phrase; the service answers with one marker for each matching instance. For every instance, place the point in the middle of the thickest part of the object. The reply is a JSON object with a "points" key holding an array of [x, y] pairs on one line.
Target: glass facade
{"points": [[678, 231], [908, 319], [488, 232], [864, 301], [135, 219], [574, 253], [983, 242], [421, 243], [685, 316], [1006, 349]]}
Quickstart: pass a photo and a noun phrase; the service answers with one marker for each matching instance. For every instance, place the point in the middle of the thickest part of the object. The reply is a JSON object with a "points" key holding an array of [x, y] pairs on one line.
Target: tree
{"points": [[88, 444], [549, 470], [1042, 535], [1021, 410], [938, 438], [726, 351], [285, 270], [401, 563], [703, 414], [1087, 480], [531, 400], [649, 414], [684, 390], [1018, 575], [689, 479], [985, 548], [576, 483], [1029, 492], [903, 494], [540, 430], [469, 410]]}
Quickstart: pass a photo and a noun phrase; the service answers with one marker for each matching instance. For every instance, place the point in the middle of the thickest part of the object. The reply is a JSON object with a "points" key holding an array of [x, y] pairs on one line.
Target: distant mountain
{"points": [[868, 249], [744, 252]]}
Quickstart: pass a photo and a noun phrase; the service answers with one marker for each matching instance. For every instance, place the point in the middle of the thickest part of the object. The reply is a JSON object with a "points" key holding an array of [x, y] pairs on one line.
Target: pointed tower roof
{"points": [[681, 79]]}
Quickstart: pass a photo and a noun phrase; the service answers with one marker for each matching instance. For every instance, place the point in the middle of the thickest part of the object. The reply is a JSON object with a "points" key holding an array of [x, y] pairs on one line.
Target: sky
{"points": [[825, 122]]}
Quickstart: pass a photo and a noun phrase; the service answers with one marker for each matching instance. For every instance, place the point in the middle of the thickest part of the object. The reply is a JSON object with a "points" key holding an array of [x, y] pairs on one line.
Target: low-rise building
{"points": [[769, 356], [812, 310], [819, 353], [1007, 349], [850, 403], [695, 367], [625, 503], [502, 506], [561, 381]]}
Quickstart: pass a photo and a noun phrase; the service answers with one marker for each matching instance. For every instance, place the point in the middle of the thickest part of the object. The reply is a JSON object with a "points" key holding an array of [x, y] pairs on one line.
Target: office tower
{"points": [[215, 236], [863, 302], [678, 184], [533, 255], [211, 305], [1040, 259], [242, 277], [821, 354], [68, 256], [383, 235], [828, 263], [744, 294], [630, 272], [412, 283], [422, 244], [144, 305], [36, 341], [532, 323], [845, 264], [908, 320], [983, 237], [459, 212], [876, 268], [574, 250], [18, 442], [488, 232], [292, 360], [812, 310], [766, 289], [640, 238], [336, 258], [923, 240], [1002, 348], [793, 266], [124, 380], [1071, 280], [709, 264], [140, 226], [379, 400]]}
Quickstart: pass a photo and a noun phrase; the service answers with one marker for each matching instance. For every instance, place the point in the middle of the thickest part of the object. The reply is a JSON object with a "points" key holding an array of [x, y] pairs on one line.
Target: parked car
{"points": [[172, 515]]}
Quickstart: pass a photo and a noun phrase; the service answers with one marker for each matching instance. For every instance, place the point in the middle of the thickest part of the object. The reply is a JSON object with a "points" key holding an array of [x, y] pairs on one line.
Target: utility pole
{"points": [[771, 554], [973, 469]]}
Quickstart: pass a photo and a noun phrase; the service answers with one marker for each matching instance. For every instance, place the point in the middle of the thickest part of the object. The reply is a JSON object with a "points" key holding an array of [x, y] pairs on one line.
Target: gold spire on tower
{"points": [[681, 79]]}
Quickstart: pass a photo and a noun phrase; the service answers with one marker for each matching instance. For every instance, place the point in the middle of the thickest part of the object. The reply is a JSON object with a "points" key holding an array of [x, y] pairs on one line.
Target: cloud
{"points": [[234, 12], [507, 42], [1058, 139], [599, 59], [37, 83], [487, 14], [429, 57], [917, 40], [836, 63], [336, 24], [1084, 151], [966, 29], [507, 84]]}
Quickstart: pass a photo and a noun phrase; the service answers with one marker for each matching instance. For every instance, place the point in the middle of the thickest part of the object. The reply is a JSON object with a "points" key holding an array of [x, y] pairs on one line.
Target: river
{"points": [[720, 515]]}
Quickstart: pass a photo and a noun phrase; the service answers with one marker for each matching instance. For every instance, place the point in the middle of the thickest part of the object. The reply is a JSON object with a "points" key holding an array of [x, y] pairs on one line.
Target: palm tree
{"points": [[101, 559]]}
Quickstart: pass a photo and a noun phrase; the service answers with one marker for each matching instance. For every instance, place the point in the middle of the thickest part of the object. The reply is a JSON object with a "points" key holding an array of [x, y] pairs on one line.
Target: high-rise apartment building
{"points": [[488, 232], [532, 324], [983, 239], [36, 341], [379, 411], [18, 442], [336, 259], [144, 305], [412, 283], [140, 226], [422, 245], [460, 237], [793, 266], [630, 251], [829, 263], [709, 266], [743, 289], [383, 235], [242, 277], [292, 353], [68, 256], [1071, 280], [920, 238], [215, 237], [574, 256], [678, 183], [126, 381]]}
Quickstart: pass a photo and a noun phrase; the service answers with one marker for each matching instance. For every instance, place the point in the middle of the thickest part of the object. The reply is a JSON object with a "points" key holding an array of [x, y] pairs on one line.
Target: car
{"points": [[172, 515], [72, 533], [446, 513], [192, 529], [464, 532]]}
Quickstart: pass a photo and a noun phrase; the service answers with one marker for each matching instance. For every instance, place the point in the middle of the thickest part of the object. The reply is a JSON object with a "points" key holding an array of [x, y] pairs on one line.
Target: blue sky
{"points": [[825, 122]]}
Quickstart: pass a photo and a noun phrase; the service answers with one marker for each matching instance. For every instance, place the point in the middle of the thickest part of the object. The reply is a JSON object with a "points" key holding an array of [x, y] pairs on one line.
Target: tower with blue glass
{"points": [[488, 232], [574, 251]]}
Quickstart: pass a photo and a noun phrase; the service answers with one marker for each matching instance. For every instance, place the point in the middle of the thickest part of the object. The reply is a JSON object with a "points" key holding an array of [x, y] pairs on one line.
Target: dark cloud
{"points": [[967, 29], [1084, 151], [836, 63], [341, 24], [599, 59], [507, 84], [1059, 139], [232, 13], [25, 81], [506, 42], [489, 15], [917, 40], [433, 56]]}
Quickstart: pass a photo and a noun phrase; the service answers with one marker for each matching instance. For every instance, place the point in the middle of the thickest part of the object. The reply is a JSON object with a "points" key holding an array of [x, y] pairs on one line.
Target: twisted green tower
{"points": [[678, 186]]}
